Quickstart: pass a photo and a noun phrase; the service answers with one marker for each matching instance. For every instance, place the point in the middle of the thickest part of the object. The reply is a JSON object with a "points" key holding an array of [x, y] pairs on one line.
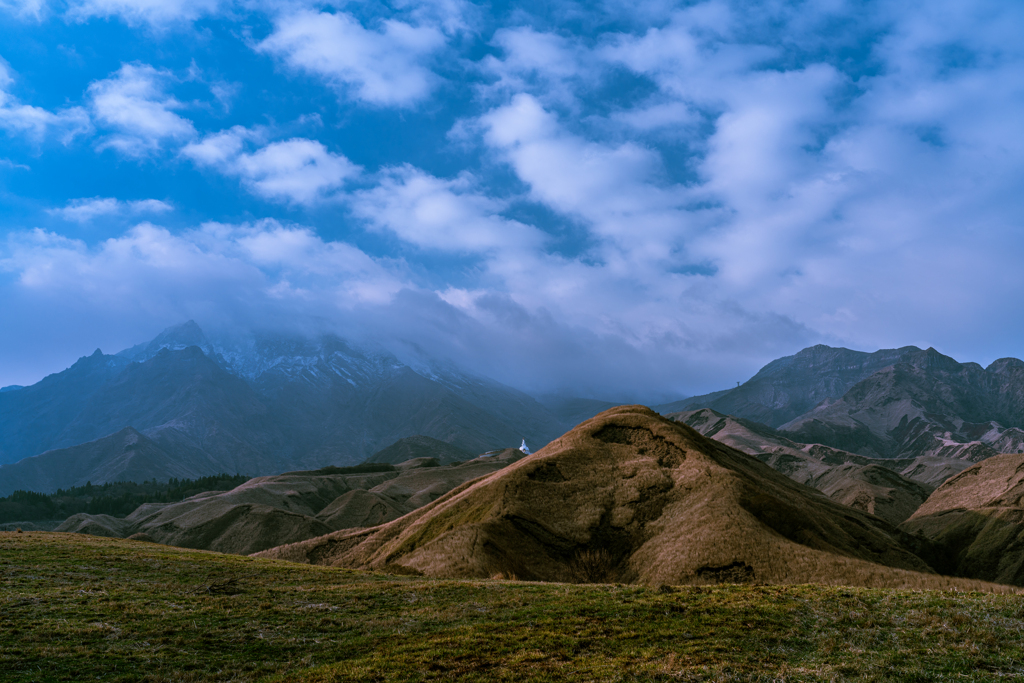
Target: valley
{"points": [[676, 543]]}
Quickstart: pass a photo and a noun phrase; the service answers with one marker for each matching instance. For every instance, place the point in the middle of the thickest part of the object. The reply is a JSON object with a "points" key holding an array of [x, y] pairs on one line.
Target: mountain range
{"points": [[894, 403], [183, 405], [257, 406]]}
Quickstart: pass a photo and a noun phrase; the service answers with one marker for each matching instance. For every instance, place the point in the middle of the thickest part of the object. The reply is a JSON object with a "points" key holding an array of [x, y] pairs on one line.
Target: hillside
{"points": [[895, 403], [268, 511], [790, 386], [976, 521], [926, 405], [630, 496], [881, 487], [126, 455], [140, 611], [420, 447]]}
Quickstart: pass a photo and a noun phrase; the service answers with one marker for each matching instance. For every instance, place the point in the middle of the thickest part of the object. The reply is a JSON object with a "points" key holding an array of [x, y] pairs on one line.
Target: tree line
{"points": [[117, 499]]}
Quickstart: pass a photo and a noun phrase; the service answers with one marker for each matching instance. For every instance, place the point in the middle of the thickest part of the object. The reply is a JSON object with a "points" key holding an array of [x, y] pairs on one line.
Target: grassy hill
{"points": [[76, 607]]}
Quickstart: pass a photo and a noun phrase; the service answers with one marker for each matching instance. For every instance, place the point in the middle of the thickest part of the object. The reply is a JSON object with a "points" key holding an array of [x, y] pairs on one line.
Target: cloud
{"points": [[244, 270], [24, 9], [644, 195], [298, 170], [614, 188], [86, 209], [549, 66], [36, 123], [134, 104], [269, 275], [446, 215], [156, 13], [385, 67]]}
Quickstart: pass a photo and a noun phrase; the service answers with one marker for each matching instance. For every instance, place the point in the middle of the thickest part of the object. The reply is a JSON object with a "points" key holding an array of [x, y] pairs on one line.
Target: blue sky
{"points": [[643, 199]]}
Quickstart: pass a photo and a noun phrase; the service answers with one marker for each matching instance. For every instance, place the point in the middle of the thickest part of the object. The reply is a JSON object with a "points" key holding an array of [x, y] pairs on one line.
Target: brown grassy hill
{"points": [[414, 487], [976, 521], [873, 489], [267, 511], [630, 496], [878, 486]]}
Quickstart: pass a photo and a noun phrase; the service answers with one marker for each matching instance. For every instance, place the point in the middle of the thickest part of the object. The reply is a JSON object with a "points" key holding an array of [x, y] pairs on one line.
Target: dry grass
{"points": [[77, 608], [669, 505]]}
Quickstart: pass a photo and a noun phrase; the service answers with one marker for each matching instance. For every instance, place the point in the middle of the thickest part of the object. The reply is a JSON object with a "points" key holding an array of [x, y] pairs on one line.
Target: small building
{"points": [[524, 448]]}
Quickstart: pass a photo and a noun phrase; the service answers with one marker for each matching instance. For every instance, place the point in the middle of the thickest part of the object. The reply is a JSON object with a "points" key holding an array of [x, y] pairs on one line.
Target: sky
{"points": [[621, 200]]}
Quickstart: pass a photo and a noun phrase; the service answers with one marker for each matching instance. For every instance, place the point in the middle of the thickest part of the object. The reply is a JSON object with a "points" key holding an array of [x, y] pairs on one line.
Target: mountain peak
{"points": [[175, 338], [1004, 366], [931, 359]]}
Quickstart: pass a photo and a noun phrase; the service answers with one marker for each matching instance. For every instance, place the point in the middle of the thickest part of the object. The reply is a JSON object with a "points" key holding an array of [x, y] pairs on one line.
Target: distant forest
{"points": [[118, 499]]}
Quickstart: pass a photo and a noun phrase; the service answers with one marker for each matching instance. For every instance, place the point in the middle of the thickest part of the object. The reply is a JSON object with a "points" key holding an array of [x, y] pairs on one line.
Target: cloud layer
{"points": [[641, 200]]}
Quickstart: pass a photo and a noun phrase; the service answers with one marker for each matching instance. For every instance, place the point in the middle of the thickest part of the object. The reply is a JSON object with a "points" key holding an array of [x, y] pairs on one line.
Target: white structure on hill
{"points": [[524, 448]]}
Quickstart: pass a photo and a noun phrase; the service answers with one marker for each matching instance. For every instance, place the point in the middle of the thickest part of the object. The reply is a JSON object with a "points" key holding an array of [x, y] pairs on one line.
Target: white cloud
{"points": [[135, 105], [447, 215], [660, 116], [24, 9], [384, 67], [244, 270], [614, 188], [549, 66], [298, 170], [452, 16], [86, 209], [36, 123], [137, 12]]}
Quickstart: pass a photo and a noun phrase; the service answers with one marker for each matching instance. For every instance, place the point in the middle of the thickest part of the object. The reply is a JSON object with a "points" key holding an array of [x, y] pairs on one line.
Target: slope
{"points": [[880, 487], [126, 455], [419, 446], [926, 405], [267, 511], [33, 419], [976, 521], [630, 496], [790, 386]]}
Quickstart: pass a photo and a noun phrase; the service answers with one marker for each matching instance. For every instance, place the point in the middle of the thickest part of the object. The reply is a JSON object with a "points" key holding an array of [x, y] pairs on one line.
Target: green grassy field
{"points": [[82, 608]]}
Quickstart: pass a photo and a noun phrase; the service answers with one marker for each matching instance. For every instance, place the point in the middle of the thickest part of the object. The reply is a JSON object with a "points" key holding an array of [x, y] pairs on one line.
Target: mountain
{"points": [[629, 496], [259, 405], [878, 486], [925, 405], [894, 403], [572, 410], [202, 417], [789, 387], [174, 338], [126, 455], [420, 447], [34, 419], [975, 522], [267, 511]]}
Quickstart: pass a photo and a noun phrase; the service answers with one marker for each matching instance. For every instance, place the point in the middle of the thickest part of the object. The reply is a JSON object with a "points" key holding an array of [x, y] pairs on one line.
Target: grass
{"points": [[79, 608]]}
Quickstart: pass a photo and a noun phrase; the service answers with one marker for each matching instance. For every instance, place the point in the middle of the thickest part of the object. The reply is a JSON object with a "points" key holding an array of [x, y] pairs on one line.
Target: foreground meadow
{"points": [[75, 607]]}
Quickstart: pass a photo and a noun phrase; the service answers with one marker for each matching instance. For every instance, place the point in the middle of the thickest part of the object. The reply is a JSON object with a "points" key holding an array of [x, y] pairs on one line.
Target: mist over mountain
{"points": [[256, 405]]}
